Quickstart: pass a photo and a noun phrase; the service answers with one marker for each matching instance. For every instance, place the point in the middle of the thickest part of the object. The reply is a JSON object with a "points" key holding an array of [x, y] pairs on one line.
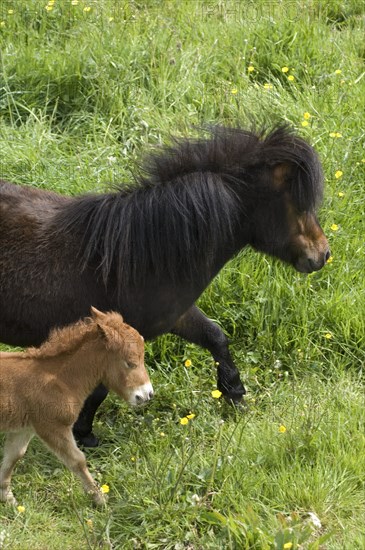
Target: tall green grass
{"points": [[84, 92]]}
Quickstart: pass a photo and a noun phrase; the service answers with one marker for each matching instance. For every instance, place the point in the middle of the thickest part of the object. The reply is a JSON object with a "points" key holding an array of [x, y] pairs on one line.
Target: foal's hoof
{"points": [[88, 440], [7, 497]]}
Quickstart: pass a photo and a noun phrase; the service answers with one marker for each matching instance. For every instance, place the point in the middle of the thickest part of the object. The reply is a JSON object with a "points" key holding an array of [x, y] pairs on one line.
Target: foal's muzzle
{"points": [[141, 395]]}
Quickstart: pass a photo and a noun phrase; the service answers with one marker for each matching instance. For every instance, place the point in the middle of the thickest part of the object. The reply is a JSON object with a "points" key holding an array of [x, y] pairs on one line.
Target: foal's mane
{"points": [[64, 340], [187, 201]]}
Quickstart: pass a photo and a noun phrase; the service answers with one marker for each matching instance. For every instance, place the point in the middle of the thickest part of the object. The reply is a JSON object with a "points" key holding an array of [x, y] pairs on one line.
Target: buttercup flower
{"points": [[306, 115], [184, 421], [328, 335], [341, 194], [338, 174], [105, 488], [330, 260], [21, 509], [187, 363], [234, 91], [250, 68], [267, 86], [338, 71], [216, 394], [335, 134], [334, 227], [288, 545], [282, 429], [284, 69], [305, 123], [190, 416], [291, 78], [87, 8]]}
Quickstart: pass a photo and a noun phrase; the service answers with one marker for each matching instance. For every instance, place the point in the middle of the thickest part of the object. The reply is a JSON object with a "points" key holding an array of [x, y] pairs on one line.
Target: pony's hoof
{"points": [[88, 440], [8, 498], [100, 499]]}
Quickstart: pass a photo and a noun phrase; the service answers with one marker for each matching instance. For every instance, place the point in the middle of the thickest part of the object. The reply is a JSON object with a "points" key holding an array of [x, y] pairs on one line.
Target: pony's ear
{"points": [[96, 314], [280, 174], [108, 334]]}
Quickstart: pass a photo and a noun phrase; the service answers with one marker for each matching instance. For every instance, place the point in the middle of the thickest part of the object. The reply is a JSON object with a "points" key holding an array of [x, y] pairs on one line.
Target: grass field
{"points": [[88, 86]]}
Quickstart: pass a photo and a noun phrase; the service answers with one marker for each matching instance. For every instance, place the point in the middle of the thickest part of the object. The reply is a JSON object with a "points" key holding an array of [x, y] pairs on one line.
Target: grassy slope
{"points": [[85, 92]]}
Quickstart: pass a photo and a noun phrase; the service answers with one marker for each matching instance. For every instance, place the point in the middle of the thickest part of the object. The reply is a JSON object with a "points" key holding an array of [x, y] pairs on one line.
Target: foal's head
{"points": [[125, 373], [289, 185]]}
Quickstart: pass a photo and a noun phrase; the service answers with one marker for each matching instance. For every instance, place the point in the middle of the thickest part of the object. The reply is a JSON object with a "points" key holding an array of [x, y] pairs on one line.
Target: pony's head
{"points": [[125, 372], [288, 182]]}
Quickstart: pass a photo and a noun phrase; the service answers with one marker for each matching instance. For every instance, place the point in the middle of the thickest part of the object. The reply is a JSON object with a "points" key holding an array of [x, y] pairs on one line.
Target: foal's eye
{"points": [[130, 365]]}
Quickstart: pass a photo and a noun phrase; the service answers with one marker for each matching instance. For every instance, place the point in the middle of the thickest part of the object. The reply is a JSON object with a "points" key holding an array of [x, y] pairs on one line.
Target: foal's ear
{"points": [[280, 174], [96, 314]]}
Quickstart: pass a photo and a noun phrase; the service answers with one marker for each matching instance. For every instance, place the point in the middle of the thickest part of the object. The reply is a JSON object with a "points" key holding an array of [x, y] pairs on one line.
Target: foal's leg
{"points": [[16, 444], [62, 443], [84, 424], [195, 327]]}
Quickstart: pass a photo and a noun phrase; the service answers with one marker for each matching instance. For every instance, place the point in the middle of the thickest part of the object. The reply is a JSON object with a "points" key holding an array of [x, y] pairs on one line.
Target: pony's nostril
{"points": [[150, 395], [139, 398], [328, 255]]}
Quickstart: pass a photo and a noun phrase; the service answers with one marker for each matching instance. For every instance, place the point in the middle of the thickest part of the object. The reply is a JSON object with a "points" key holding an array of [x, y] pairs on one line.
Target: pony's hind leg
{"points": [[16, 444], [62, 443], [194, 327]]}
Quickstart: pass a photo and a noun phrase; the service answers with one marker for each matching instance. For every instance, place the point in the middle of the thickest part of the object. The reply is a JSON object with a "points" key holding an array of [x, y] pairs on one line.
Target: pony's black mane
{"points": [[188, 200]]}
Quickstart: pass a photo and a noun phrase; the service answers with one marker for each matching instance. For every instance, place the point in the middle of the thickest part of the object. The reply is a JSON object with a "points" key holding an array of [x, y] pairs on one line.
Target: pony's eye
{"points": [[131, 365]]}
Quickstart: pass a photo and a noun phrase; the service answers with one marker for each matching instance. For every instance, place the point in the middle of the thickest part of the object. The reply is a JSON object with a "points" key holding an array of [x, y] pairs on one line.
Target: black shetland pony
{"points": [[149, 250]]}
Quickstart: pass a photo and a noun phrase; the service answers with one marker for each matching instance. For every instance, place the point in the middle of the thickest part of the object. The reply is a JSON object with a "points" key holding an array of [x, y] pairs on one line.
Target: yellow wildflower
{"points": [[341, 194], [162, 434], [111, 19], [187, 363], [338, 174], [362, 160], [49, 8], [288, 545], [10, 12], [250, 68], [190, 416], [216, 394], [267, 86], [328, 335], [87, 9], [105, 488], [334, 227], [284, 69], [21, 509], [89, 523], [74, 2], [338, 71], [133, 458], [291, 78], [305, 123], [330, 260], [282, 429], [2, 24], [184, 421], [307, 115], [234, 91]]}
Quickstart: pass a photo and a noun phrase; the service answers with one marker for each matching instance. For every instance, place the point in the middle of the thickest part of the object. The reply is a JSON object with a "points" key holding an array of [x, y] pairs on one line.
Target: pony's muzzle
{"points": [[141, 395]]}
